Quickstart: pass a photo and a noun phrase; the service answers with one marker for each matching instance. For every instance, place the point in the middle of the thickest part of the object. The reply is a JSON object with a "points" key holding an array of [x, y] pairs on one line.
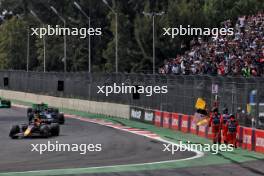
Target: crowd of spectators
{"points": [[241, 54]]}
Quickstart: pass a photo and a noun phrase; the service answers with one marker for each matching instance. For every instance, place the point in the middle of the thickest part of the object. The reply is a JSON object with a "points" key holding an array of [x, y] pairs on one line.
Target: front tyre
{"points": [[55, 129], [45, 131], [8, 103], [30, 114], [14, 131]]}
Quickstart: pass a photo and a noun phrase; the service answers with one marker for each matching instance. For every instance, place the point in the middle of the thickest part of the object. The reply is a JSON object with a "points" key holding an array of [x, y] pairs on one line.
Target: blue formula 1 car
{"points": [[36, 128]]}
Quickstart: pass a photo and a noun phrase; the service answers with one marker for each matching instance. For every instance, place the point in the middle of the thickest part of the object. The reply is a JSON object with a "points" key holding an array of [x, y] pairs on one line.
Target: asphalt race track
{"points": [[118, 147]]}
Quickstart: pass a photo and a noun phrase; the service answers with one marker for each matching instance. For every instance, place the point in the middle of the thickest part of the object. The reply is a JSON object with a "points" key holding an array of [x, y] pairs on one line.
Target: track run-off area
{"points": [[128, 149]]}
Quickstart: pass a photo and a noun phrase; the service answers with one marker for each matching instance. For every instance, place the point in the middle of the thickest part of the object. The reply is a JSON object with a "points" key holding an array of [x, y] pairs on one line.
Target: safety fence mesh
{"points": [[242, 96]]}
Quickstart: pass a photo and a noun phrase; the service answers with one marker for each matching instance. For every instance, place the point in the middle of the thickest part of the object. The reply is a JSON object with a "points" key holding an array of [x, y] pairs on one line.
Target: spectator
{"points": [[239, 55]]}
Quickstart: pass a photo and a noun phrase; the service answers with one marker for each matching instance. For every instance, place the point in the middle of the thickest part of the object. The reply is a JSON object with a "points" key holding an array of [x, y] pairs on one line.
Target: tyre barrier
{"points": [[240, 135], [203, 131], [166, 120], [158, 120], [209, 133], [186, 123], [247, 142], [259, 144], [248, 138], [194, 127], [176, 121]]}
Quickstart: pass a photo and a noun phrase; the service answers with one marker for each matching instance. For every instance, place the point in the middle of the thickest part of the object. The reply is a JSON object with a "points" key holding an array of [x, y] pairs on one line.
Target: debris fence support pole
{"points": [[28, 37], [153, 28], [116, 48]]}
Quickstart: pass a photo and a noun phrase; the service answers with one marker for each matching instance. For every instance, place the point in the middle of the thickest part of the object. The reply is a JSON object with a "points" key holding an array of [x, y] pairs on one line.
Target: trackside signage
{"points": [[148, 116], [247, 138], [259, 134], [136, 113], [260, 142], [141, 114]]}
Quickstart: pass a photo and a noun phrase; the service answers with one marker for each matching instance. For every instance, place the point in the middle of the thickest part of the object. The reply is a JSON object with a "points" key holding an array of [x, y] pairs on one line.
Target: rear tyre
{"points": [[45, 131], [55, 129], [30, 117], [55, 110], [14, 130], [8, 103], [30, 114], [29, 110], [61, 119]]}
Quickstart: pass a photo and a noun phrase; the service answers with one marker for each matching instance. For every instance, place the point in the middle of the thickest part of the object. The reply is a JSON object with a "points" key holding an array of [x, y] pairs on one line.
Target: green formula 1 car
{"points": [[5, 103], [49, 114]]}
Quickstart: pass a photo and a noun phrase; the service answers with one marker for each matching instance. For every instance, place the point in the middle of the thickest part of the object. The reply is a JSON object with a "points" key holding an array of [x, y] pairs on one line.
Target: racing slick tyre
{"points": [[55, 110], [61, 119], [30, 114], [8, 104], [30, 117], [44, 131], [29, 110], [55, 129], [14, 130]]}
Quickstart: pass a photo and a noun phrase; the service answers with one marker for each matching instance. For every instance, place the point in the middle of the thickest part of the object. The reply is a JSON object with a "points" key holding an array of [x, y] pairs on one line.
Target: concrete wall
{"points": [[110, 109]]}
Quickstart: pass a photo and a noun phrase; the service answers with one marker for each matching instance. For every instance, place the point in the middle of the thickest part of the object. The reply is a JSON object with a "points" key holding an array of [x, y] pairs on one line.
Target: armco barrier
{"points": [[166, 119], [259, 138], [158, 118], [176, 121]]}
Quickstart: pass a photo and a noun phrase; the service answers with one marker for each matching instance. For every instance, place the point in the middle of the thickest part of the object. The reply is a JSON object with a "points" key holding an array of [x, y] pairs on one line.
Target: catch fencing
{"points": [[243, 96]]}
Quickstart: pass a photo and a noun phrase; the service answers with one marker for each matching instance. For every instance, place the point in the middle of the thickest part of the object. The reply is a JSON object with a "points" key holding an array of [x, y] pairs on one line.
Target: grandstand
{"points": [[241, 54]]}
